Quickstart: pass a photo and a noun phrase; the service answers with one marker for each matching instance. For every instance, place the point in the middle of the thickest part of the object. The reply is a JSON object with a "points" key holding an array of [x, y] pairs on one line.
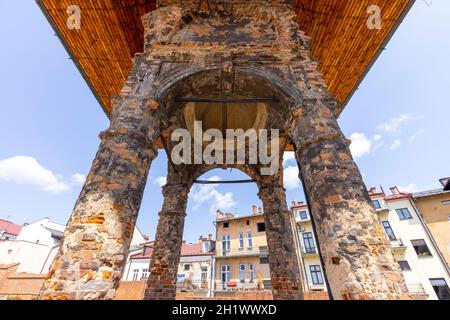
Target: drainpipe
{"points": [[301, 261], [213, 267], [211, 277], [430, 236]]}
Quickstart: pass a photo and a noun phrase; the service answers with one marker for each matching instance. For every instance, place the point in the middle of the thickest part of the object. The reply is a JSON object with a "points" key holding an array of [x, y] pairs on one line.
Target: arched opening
{"points": [[224, 213]]}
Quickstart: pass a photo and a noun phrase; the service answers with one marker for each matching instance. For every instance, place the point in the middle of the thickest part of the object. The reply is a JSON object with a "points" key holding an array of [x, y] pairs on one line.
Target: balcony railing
{"points": [[398, 244], [416, 289], [308, 250]]}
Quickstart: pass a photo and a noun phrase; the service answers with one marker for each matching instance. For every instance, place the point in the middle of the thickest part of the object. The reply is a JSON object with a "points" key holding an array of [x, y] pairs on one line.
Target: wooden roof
{"points": [[111, 33]]}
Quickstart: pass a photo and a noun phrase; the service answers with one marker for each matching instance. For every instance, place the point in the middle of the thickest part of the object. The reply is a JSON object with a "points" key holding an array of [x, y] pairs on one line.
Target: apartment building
{"points": [[241, 261], [9, 230], [425, 271], [311, 266], [434, 207], [194, 270]]}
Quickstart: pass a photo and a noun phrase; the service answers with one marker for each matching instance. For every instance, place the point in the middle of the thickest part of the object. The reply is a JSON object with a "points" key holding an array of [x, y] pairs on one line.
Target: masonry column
{"points": [[283, 260], [93, 253], [165, 258], [358, 260]]}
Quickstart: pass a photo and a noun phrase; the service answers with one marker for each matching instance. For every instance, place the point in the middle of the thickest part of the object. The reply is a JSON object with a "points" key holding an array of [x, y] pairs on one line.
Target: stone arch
{"points": [[287, 86]]}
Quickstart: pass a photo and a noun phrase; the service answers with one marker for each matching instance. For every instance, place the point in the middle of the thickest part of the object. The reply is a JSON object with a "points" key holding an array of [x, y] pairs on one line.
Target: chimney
{"points": [[373, 190], [260, 210], [209, 237], [293, 203], [255, 209], [394, 190], [445, 183]]}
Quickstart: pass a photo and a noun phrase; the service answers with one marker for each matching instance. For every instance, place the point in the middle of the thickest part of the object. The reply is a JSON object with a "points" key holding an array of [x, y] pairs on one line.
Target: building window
{"points": [[308, 240], [316, 274], [241, 240], [403, 214], [441, 288], [187, 267], [135, 274], [421, 248], [226, 224], [250, 240], [261, 227], [389, 231], [225, 243], [225, 275], [248, 222], [404, 265], [376, 204], [264, 260], [242, 273], [251, 273], [303, 215], [144, 274], [204, 276]]}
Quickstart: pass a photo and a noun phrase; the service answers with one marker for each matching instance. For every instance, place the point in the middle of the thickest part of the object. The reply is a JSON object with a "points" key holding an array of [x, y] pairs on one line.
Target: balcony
{"points": [[417, 291], [310, 251], [300, 220], [381, 211], [243, 252], [398, 245]]}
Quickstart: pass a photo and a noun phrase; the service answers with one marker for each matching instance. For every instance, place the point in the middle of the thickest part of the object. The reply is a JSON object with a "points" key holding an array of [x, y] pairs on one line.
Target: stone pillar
{"points": [[358, 260], [165, 258], [94, 249], [283, 257]]}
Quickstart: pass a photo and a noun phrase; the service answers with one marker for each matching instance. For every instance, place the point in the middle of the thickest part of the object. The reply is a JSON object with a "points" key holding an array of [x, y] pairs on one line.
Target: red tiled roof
{"points": [[10, 227], [186, 251]]}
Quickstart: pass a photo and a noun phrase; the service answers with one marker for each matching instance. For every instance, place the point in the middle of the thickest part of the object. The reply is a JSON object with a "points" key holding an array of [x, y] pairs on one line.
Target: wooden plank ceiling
{"points": [[111, 33]]}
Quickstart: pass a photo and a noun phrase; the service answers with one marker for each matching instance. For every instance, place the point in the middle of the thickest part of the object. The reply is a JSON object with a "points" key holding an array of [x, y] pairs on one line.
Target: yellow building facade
{"points": [[434, 207], [241, 252]]}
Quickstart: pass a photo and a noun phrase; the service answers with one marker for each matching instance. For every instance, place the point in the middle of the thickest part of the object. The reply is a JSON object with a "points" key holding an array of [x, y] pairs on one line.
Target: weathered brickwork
{"points": [[283, 260], [358, 259], [233, 48], [161, 284], [90, 262]]}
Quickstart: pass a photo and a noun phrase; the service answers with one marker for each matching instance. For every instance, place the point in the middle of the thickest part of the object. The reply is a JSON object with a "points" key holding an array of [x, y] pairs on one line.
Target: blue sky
{"points": [[49, 124]]}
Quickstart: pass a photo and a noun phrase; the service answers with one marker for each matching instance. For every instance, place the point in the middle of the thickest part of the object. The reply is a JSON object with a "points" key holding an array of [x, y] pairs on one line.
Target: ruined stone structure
{"points": [[232, 49]]}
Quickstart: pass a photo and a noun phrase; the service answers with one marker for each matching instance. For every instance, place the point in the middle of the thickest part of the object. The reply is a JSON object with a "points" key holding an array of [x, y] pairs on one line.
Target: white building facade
{"points": [[311, 266], [194, 270], [37, 244], [425, 273], [424, 269]]}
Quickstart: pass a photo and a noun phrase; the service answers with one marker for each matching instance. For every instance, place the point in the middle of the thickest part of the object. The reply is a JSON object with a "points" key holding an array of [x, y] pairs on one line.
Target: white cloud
{"points": [[396, 144], [290, 177], [416, 135], [208, 193], [409, 188], [288, 157], [27, 170], [393, 125], [160, 181], [377, 137], [78, 179], [361, 145]]}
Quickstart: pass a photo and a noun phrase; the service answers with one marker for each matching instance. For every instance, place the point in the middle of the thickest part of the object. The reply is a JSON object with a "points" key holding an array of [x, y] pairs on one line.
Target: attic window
{"points": [[226, 225], [446, 202]]}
